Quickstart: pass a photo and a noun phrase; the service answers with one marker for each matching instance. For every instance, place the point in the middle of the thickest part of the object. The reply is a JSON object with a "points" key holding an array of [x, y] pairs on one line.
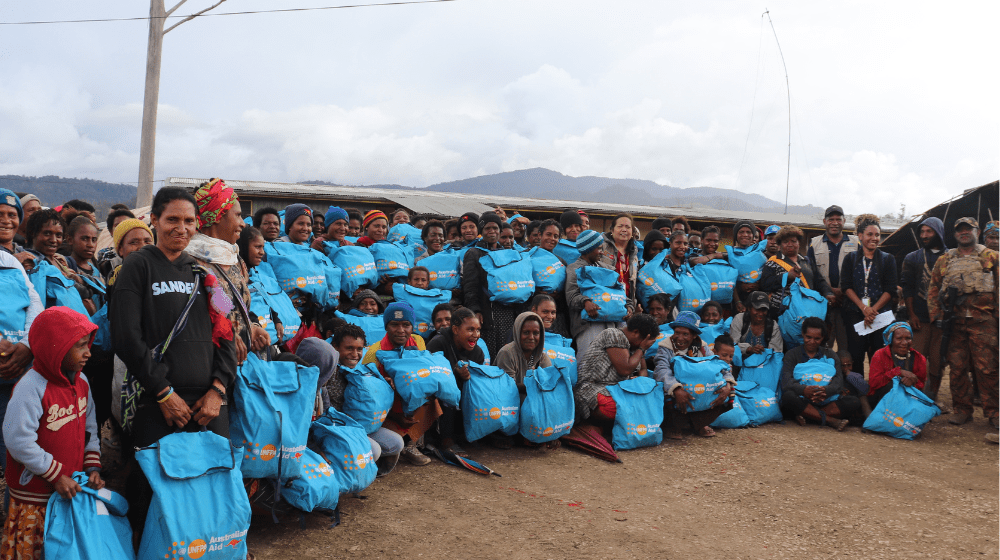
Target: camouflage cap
{"points": [[971, 222]]}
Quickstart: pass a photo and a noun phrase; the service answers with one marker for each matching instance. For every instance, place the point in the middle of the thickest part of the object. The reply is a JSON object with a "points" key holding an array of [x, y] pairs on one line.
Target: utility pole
{"points": [[151, 100]]}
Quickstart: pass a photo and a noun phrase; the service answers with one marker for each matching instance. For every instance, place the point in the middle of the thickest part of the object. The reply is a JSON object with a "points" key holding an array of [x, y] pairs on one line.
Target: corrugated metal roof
{"points": [[456, 204]]}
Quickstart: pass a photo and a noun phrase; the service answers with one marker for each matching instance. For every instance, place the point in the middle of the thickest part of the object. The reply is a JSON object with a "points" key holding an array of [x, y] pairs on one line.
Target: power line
{"points": [[243, 13]]}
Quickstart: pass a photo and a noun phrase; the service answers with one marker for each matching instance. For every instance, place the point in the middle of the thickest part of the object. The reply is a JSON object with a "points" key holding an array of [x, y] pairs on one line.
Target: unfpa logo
{"points": [[818, 377], [699, 389], [606, 297], [550, 269], [754, 274], [764, 403], [898, 422], [495, 413], [268, 452], [300, 282], [649, 281], [715, 286], [434, 276], [423, 372], [640, 429], [422, 327], [360, 269], [360, 461], [551, 353], [695, 302], [547, 432], [512, 285], [393, 265], [196, 549]]}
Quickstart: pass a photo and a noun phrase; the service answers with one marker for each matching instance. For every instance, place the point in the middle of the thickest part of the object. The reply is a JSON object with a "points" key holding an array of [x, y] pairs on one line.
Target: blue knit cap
{"points": [[687, 319], [588, 240], [8, 197], [398, 311], [292, 213], [335, 213]]}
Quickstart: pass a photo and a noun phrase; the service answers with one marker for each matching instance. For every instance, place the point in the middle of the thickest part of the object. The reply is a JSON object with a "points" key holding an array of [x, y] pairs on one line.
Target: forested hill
{"points": [[53, 190]]}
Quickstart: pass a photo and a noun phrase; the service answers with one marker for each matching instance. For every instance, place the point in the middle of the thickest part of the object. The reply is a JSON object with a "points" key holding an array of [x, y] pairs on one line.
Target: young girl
{"points": [[50, 429]]}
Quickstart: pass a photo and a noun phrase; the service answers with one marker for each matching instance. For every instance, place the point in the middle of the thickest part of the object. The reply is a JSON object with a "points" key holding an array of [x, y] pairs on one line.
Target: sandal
{"points": [[800, 420], [706, 432], [840, 424], [675, 434]]}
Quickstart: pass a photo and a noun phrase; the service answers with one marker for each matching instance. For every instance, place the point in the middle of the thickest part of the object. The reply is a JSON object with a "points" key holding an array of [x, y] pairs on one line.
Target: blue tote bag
{"points": [[801, 302], [748, 261], [14, 311], [443, 267], [601, 285], [346, 447], [490, 402], [392, 259], [374, 326], [55, 289], [267, 299], [764, 369], [90, 526], [710, 332], [301, 269], [547, 270], [200, 508], [720, 278], [356, 264], [902, 413], [733, 418], [547, 412], [567, 251], [695, 291], [759, 403], [273, 404], [700, 376], [559, 351], [486, 351], [315, 486], [656, 278], [419, 376], [665, 332], [102, 338], [639, 402], [367, 397], [423, 302], [508, 276], [405, 234], [817, 372]]}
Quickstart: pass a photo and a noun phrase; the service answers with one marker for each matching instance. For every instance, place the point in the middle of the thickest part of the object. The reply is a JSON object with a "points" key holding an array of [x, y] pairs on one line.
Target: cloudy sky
{"points": [[892, 102]]}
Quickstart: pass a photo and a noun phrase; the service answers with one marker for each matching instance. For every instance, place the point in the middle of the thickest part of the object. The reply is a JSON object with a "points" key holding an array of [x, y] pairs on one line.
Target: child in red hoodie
{"points": [[50, 429]]}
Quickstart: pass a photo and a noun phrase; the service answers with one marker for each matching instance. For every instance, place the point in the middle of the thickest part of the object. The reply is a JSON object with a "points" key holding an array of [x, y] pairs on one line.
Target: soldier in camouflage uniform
{"points": [[973, 270]]}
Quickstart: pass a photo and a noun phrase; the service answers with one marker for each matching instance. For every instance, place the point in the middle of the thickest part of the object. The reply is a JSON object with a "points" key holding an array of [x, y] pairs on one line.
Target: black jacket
{"points": [[150, 293]]}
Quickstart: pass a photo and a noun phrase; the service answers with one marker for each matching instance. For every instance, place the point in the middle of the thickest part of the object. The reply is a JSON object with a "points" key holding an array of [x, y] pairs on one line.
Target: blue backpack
{"points": [[269, 419], [391, 259], [200, 508], [902, 413], [701, 376], [14, 311], [801, 302], [490, 402], [748, 261], [346, 447], [817, 372], [656, 278], [419, 376], [267, 300], [367, 397], [720, 277], [547, 270], [102, 338], [562, 354], [315, 485], [301, 269], [374, 326], [508, 276], [764, 369], [666, 331], [695, 291], [601, 285], [639, 402], [54, 288], [423, 302], [356, 264], [548, 411], [443, 267], [90, 526], [566, 250]]}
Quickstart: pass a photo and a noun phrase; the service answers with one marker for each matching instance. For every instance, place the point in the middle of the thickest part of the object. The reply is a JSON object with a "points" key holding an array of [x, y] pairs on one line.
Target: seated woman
{"points": [[895, 359], [460, 344], [753, 330], [348, 346], [298, 224], [525, 352], [399, 321], [616, 354], [686, 342], [806, 402]]}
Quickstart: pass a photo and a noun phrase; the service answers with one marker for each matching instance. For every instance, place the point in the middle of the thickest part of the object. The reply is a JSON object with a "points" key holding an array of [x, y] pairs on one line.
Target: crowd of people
{"points": [[148, 337]]}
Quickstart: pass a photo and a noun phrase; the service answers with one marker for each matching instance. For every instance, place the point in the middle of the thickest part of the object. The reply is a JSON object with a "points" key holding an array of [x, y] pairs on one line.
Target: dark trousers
{"points": [[677, 420], [861, 347], [879, 393], [793, 405]]}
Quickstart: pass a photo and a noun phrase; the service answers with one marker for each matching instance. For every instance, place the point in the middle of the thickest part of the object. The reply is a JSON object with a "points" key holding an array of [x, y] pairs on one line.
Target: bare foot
{"points": [[800, 420], [707, 431]]}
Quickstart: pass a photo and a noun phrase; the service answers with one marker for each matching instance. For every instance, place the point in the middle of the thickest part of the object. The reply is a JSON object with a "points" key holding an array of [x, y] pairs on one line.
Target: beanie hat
{"points": [[292, 213], [689, 320], [661, 222], [398, 311], [468, 217], [361, 295], [490, 218], [588, 240], [125, 226], [570, 218], [28, 198], [335, 213], [743, 224], [371, 216], [8, 197]]}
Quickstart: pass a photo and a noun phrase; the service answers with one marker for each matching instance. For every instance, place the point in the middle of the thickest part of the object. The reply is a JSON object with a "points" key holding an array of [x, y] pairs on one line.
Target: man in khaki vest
{"points": [[828, 251]]}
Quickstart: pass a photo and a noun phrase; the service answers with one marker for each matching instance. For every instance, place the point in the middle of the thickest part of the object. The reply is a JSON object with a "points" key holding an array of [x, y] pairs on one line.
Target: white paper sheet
{"points": [[883, 319]]}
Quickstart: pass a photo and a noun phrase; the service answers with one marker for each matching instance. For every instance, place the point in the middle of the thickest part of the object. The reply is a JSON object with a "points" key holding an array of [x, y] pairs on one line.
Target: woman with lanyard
{"points": [[896, 359], [214, 246], [868, 279]]}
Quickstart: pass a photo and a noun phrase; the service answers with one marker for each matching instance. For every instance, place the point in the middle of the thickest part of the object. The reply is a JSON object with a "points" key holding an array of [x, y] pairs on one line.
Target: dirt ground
{"points": [[778, 491]]}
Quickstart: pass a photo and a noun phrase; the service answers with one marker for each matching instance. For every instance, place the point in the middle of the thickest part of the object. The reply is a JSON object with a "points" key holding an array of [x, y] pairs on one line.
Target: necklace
{"points": [[903, 357]]}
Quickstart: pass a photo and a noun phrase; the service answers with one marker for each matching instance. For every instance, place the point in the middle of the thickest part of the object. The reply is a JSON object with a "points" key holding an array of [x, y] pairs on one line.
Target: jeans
{"points": [[387, 445]]}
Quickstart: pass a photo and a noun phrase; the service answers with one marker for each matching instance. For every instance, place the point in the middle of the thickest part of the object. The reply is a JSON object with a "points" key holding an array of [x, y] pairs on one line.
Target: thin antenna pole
{"points": [[788, 168]]}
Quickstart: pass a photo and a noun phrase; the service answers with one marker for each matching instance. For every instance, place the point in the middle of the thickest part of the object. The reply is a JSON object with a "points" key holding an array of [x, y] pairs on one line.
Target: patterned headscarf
{"points": [[213, 199], [991, 227], [891, 330]]}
